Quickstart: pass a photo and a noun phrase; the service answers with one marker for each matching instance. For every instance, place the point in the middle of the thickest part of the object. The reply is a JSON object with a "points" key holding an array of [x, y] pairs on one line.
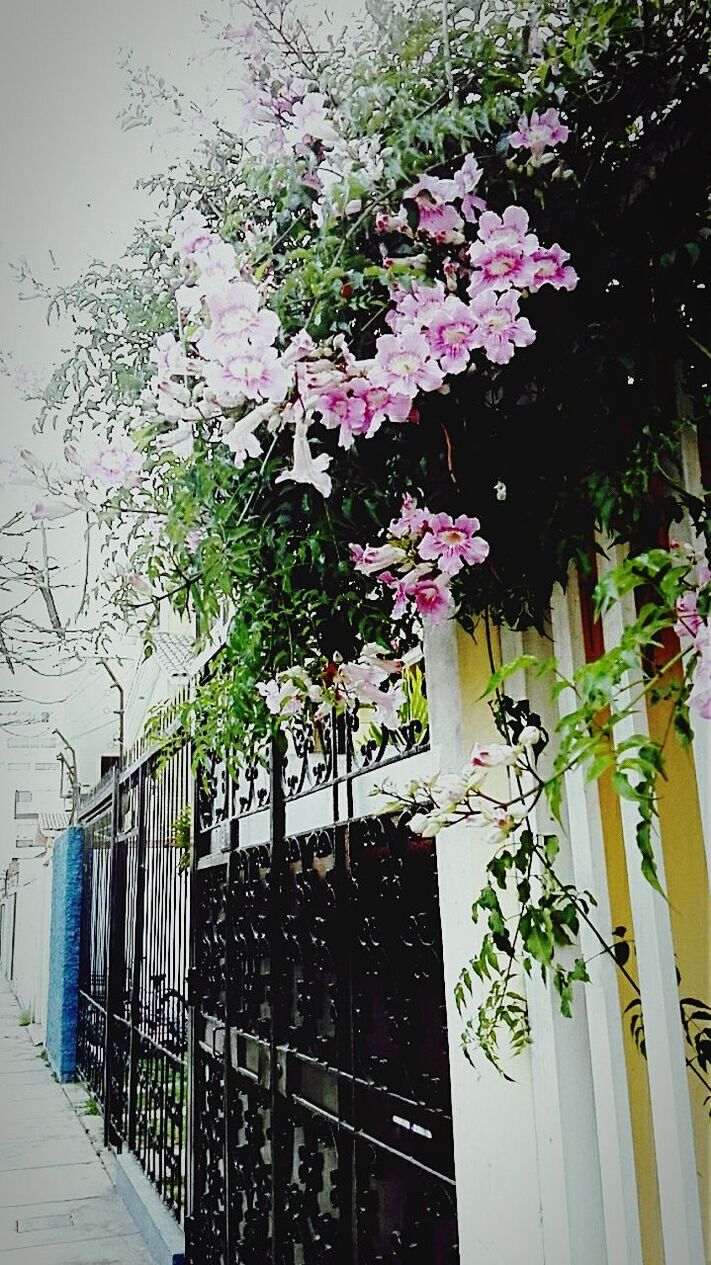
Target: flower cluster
{"points": [[694, 630], [422, 553], [227, 359], [372, 684], [540, 133], [449, 799]]}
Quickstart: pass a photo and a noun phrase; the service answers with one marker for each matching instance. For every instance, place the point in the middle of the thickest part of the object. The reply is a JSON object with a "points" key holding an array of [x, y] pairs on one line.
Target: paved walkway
{"points": [[57, 1205]]}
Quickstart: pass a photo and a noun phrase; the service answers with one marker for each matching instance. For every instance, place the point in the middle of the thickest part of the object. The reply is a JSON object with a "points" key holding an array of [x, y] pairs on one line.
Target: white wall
{"points": [[31, 952]]}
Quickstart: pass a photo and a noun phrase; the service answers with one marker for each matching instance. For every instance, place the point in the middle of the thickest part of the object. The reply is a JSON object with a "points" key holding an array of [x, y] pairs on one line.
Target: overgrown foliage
{"points": [[353, 144]]}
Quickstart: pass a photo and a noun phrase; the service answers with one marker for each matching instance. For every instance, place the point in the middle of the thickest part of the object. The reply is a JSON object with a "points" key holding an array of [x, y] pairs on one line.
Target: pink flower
{"points": [[550, 268], [339, 408], [451, 543], [499, 327], [508, 230], [241, 439], [310, 121], [385, 223], [438, 219], [380, 405], [169, 358], [118, 464], [414, 307], [412, 521], [499, 267], [466, 181], [180, 441], [451, 334], [299, 347], [216, 263], [191, 234], [306, 468], [433, 187], [700, 696], [401, 590], [376, 557], [256, 374], [236, 318], [688, 619], [432, 598], [52, 507], [386, 703], [543, 132], [403, 364]]}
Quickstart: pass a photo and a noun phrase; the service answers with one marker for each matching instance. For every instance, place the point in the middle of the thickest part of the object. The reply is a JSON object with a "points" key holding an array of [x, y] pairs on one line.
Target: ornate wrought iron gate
{"points": [[321, 1119], [132, 1032]]}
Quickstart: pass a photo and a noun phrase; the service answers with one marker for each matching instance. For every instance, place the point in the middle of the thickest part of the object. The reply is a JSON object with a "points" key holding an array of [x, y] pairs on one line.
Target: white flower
{"points": [[307, 469], [490, 755]]}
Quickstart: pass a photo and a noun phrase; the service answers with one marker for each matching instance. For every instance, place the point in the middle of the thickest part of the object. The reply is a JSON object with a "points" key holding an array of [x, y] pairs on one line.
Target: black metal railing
{"points": [[321, 1124], [141, 1009], [133, 1008]]}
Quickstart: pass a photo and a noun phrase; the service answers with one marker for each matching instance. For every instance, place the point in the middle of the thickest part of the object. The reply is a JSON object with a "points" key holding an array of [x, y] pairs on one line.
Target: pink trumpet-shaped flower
{"points": [[544, 131], [341, 410], [404, 365], [700, 696], [118, 464], [550, 268], [376, 557], [452, 335], [453, 542], [507, 230], [432, 598], [169, 358], [254, 374], [499, 327], [499, 267]]}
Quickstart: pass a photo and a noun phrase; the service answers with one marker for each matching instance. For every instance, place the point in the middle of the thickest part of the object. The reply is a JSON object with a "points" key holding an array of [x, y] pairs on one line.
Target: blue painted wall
{"points": [[64, 938]]}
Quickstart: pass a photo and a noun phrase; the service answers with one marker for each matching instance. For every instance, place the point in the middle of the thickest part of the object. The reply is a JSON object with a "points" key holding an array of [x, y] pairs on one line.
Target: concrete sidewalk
{"points": [[57, 1205]]}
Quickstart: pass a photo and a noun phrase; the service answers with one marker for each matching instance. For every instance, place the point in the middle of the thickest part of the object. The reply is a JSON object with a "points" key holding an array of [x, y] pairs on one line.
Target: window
{"points": [[23, 802], [44, 767], [35, 742], [16, 767]]}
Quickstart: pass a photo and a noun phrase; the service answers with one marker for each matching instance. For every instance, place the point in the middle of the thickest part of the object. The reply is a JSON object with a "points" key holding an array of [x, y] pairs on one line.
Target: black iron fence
{"points": [[310, 1026], [133, 1017], [321, 1127]]}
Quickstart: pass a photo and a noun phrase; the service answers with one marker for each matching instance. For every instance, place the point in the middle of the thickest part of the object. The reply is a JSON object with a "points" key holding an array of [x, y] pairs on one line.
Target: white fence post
{"points": [[568, 1146], [668, 1082], [607, 1053], [495, 1149]]}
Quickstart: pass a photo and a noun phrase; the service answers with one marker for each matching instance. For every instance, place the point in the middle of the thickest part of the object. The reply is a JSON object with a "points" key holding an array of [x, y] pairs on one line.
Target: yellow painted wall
{"points": [[687, 886]]}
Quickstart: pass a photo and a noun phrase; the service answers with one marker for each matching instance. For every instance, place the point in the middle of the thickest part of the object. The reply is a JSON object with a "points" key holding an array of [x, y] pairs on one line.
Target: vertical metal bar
{"points": [[192, 1158], [347, 1167], [230, 999], [276, 888], [115, 957], [134, 1030]]}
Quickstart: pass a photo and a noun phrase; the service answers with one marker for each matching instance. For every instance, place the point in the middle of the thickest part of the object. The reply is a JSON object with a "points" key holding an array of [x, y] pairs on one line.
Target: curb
{"points": [[161, 1233]]}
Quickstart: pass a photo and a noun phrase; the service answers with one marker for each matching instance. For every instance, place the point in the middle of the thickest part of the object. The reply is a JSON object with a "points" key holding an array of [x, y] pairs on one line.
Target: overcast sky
{"points": [[68, 189]]}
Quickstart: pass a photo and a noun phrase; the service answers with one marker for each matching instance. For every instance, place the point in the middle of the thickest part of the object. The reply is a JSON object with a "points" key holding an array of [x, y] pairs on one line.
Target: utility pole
{"points": [[72, 771], [116, 684]]}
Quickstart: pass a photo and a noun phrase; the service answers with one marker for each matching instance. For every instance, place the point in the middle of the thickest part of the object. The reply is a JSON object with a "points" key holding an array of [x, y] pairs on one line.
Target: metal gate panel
{"points": [[133, 1018], [321, 1118]]}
